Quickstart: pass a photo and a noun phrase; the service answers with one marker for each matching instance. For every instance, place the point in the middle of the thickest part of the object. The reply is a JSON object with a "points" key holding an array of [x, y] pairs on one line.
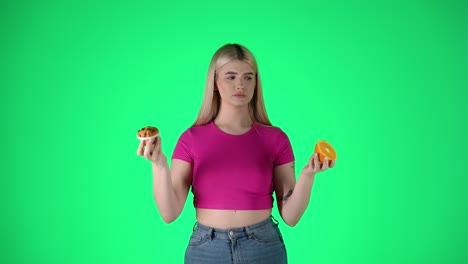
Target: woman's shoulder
{"points": [[196, 129], [269, 130], [202, 127]]}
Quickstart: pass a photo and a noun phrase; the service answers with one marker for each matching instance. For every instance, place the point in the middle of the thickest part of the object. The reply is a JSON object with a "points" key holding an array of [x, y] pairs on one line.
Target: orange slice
{"points": [[324, 149]]}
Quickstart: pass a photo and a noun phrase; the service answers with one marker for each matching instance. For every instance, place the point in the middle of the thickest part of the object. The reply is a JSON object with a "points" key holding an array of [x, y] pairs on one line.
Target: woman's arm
{"points": [[293, 197], [170, 186]]}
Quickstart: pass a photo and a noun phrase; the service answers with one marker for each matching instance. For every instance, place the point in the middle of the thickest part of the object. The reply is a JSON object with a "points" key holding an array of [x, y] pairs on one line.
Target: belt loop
{"points": [[194, 226], [249, 232], [211, 233], [274, 220]]}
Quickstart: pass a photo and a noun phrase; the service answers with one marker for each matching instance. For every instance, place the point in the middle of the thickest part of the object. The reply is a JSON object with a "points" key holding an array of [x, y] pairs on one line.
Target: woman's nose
{"points": [[239, 84]]}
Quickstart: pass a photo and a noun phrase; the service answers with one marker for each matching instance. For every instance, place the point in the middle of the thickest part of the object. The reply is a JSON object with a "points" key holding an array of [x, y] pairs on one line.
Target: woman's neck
{"points": [[231, 118]]}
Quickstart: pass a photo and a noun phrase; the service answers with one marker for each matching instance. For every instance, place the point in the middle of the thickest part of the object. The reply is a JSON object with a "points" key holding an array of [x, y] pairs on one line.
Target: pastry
{"points": [[147, 132]]}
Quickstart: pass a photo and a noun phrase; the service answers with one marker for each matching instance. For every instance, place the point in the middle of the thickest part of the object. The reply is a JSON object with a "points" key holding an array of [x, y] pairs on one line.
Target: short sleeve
{"points": [[183, 148], [284, 153]]}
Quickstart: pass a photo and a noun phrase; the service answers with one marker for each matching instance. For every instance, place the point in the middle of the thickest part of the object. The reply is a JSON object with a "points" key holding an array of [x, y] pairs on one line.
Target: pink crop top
{"points": [[233, 171]]}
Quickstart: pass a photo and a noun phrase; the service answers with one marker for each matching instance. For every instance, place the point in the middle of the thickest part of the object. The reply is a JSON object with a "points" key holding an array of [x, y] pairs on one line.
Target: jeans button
{"points": [[231, 233]]}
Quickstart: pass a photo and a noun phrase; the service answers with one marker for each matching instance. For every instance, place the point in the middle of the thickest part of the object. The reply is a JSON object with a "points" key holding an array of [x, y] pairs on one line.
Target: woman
{"points": [[233, 158]]}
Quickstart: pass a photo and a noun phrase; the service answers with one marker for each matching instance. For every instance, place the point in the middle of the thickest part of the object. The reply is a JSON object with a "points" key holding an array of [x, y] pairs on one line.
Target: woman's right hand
{"points": [[152, 151]]}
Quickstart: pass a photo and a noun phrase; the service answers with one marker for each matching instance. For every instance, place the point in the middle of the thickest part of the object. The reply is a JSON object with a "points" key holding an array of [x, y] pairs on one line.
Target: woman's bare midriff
{"points": [[225, 219]]}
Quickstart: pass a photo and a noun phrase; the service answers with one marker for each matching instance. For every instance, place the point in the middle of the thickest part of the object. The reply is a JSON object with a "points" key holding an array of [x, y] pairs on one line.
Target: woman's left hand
{"points": [[314, 165]]}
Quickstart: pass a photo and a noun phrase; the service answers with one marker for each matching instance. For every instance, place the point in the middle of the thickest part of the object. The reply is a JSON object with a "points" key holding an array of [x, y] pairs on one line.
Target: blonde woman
{"points": [[234, 159]]}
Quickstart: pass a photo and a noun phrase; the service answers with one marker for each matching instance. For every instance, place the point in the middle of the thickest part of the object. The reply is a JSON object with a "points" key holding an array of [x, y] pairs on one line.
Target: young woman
{"points": [[234, 159]]}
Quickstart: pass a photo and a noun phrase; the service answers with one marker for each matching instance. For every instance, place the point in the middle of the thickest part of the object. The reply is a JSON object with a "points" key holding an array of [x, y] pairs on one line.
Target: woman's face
{"points": [[236, 83]]}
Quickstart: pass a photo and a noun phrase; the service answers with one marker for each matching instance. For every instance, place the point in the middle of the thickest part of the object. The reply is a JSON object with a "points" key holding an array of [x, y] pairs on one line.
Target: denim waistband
{"points": [[236, 232]]}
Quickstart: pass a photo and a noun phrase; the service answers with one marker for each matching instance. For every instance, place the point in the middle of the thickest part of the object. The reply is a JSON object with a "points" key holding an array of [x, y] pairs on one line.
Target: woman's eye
{"points": [[230, 77], [248, 78]]}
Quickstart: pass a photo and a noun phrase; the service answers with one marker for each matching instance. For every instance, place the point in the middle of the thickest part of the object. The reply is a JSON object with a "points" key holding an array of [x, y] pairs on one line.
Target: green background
{"points": [[383, 81]]}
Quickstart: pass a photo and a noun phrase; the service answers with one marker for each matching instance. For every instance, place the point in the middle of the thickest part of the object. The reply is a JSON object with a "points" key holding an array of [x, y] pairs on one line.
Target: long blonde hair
{"points": [[211, 100]]}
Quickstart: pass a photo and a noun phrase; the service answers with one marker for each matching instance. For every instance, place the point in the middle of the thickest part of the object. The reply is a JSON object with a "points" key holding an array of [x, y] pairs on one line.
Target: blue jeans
{"points": [[258, 243]]}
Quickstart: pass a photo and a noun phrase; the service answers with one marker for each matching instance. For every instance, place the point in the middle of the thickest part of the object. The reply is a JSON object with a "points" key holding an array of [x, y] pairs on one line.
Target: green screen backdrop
{"points": [[385, 82]]}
